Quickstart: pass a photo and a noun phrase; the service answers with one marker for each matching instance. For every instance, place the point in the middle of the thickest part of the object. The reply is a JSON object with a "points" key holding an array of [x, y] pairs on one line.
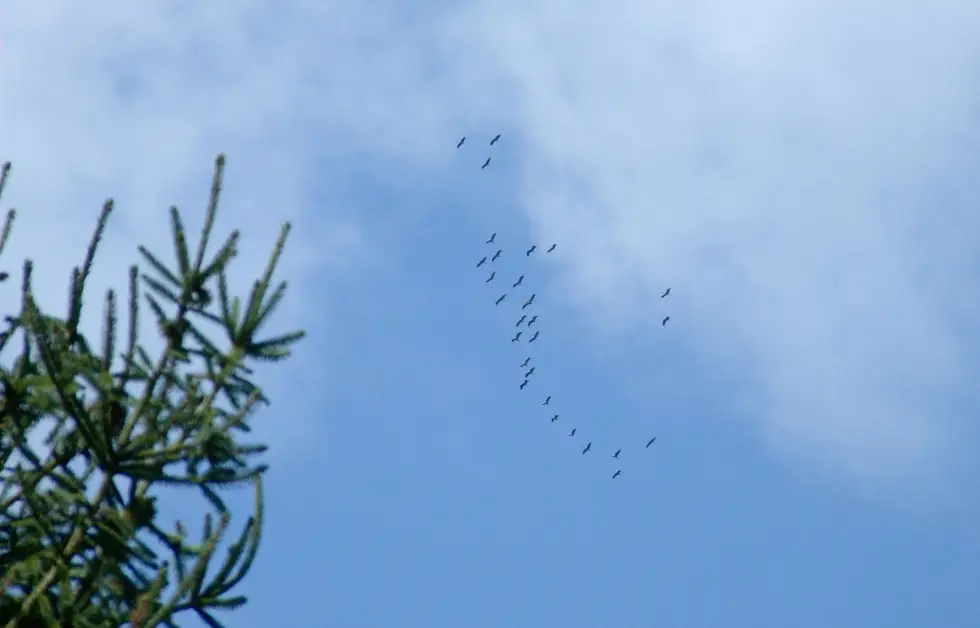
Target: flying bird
{"points": [[525, 362], [663, 323], [651, 441], [552, 248], [523, 384], [572, 433], [529, 373], [495, 138], [533, 318], [485, 164], [554, 418], [501, 299], [461, 140], [531, 300], [492, 275], [532, 249], [492, 238], [482, 261], [587, 448], [496, 255], [517, 338], [520, 320], [665, 293], [616, 455], [519, 281], [547, 401], [534, 337], [615, 475]]}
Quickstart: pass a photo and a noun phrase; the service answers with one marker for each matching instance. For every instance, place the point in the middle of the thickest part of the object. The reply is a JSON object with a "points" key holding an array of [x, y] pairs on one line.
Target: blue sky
{"points": [[802, 175]]}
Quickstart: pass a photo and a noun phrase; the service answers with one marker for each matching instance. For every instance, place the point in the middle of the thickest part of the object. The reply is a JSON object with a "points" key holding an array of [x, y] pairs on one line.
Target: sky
{"points": [[800, 174]]}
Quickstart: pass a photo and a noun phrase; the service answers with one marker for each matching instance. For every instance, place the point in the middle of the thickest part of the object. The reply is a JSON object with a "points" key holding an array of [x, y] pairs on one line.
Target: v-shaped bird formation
{"points": [[527, 317]]}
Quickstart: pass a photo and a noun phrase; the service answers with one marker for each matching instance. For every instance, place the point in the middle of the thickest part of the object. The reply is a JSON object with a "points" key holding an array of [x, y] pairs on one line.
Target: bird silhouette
{"points": [[532, 249], [461, 140], [501, 299], [520, 320], [482, 261], [492, 275], [525, 362], [533, 318], [529, 373], [523, 384], [519, 281], [496, 255], [572, 433], [547, 401], [495, 138], [663, 323], [651, 441], [587, 448], [531, 300], [554, 418], [534, 337], [616, 455], [616, 475], [665, 293], [492, 238], [517, 338], [553, 246], [485, 164]]}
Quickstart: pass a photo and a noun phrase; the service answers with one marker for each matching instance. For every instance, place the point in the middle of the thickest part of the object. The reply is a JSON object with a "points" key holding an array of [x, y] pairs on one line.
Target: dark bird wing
{"points": [[551, 249], [651, 441], [572, 432], [485, 164], [490, 241], [494, 140], [481, 262], [615, 475], [665, 293], [587, 448], [664, 323], [463, 139]]}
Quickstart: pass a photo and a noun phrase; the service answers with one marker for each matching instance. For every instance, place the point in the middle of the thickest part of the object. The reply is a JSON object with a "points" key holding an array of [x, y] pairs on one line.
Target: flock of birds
{"points": [[529, 318]]}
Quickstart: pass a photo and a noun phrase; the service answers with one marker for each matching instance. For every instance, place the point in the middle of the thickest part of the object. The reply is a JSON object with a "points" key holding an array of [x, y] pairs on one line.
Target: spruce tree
{"points": [[81, 542]]}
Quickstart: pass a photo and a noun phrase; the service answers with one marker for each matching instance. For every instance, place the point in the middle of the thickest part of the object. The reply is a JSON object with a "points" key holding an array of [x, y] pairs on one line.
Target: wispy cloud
{"points": [[798, 173]]}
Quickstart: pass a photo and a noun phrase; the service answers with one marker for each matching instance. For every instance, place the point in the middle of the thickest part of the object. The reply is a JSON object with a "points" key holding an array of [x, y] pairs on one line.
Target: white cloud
{"points": [[797, 172], [794, 171]]}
